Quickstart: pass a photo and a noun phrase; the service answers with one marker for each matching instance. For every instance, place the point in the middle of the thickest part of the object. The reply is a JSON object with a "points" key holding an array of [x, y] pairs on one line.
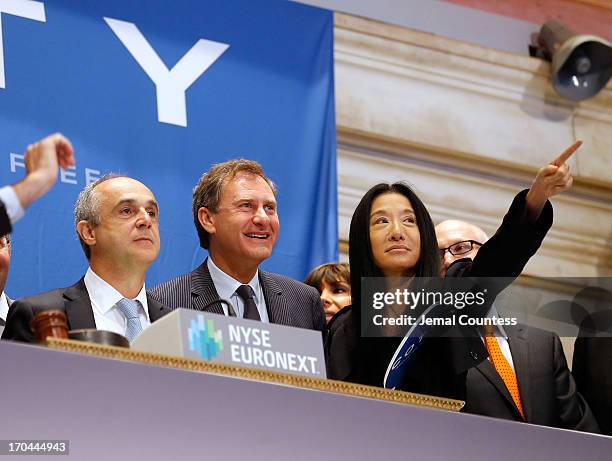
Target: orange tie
{"points": [[503, 369]]}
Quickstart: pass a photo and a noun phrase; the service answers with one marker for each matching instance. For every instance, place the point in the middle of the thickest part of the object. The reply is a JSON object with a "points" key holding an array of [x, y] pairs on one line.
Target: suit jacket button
{"points": [[474, 355]]}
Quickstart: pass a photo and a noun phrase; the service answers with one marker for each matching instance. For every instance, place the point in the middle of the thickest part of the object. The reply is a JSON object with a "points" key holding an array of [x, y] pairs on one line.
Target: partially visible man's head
{"points": [[457, 240], [234, 211], [5, 259], [116, 219]]}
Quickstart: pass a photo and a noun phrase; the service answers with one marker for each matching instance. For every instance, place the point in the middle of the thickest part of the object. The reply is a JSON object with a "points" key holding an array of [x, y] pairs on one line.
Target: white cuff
{"points": [[14, 210]]}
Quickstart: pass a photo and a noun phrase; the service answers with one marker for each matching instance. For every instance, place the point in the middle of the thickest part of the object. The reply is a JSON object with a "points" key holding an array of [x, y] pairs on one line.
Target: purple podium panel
{"points": [[111, 409]]}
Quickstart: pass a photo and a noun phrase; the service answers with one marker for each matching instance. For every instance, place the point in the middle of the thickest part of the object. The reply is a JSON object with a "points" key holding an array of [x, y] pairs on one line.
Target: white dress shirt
{"points": [[226, 287], [13, 207], [4, 307], [103, 299], [501, 337]]}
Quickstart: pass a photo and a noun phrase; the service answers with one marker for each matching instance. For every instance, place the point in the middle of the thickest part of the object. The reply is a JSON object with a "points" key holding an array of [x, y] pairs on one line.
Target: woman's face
{"points": [[334, 296], [394, 235]]}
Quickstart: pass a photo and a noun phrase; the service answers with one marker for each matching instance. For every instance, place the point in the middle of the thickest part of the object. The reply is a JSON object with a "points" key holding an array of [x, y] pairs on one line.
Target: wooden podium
{"points": [[111, 403]]}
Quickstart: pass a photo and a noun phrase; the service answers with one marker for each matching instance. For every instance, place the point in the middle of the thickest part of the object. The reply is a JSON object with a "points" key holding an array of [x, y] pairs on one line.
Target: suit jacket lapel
{"points": [[277, 303], [488, 370], [78, 307], [203, 290], [519, 347], [156, 309], [9, 301]]}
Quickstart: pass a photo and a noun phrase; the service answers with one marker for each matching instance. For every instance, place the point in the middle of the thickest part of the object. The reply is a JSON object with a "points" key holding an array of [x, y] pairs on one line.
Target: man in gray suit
{"points": [[532, 360], [234, 211]]}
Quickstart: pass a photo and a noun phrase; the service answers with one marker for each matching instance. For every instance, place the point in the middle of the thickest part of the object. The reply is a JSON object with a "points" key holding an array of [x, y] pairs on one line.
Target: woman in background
{"points": [[332, 280]]}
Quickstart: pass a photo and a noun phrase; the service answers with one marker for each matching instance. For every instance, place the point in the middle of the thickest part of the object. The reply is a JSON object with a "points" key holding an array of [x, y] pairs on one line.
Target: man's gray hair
{"points": [[87, 206]]}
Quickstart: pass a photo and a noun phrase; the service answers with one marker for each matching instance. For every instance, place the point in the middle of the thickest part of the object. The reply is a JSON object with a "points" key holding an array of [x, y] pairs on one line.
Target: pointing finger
{"points": [[563, 156]]}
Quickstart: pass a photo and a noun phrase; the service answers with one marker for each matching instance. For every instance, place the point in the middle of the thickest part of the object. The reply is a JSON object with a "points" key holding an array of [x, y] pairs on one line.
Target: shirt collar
{"points": [[226, 285], [498, 327], [4, 307], [104, 296]]}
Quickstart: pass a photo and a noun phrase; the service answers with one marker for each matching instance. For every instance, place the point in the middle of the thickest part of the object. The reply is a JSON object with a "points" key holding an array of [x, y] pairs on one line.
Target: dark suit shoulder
{"points": [[174, 293], [308, 311], [531, 333], [285, 282], [171, 284], [24, 309], [52, 299]]}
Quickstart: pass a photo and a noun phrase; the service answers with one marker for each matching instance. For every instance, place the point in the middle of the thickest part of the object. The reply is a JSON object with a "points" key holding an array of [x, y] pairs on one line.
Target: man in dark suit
{"points": [[234, 211], [592, 364], [116, 221], [537, 386], [42, 160]]}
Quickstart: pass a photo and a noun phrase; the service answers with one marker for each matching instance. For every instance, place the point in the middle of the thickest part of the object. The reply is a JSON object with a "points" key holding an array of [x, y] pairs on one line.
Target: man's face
{"points": [[451, 233], [5, 260], [244, 229], [128, 232]]}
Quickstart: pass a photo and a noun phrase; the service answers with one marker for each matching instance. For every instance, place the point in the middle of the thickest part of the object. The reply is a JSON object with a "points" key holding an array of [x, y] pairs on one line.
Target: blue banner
{"points": [[160, 91]]}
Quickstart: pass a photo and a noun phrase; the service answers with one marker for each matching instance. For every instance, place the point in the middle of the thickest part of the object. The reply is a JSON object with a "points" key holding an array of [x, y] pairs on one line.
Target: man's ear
{"points": [[207, 219], [87, 232]]}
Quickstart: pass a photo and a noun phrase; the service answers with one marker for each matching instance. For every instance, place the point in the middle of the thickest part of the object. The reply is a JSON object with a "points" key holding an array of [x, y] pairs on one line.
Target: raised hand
{"points": [[42, 160], [551, 179]]}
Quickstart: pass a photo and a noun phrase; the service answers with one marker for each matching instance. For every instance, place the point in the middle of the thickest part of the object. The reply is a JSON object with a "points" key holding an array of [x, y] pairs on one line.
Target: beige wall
{"points": [[468, 127]]}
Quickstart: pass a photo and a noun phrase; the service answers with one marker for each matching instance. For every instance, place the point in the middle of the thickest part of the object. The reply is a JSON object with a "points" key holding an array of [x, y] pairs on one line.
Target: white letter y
{"points": [[171, 84]]}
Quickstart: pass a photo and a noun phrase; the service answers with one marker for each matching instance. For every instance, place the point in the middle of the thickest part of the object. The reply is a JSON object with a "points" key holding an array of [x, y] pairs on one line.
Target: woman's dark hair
{"points": [[360, 249]]}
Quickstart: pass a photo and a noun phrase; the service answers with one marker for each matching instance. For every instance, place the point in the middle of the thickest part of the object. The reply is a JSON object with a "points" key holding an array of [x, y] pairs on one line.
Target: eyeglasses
{"points": [[460, 248]]}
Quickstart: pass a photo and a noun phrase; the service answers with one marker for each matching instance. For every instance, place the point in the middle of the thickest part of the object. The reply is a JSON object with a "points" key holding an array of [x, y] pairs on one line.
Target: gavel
{"points": [[49, 323], [55, 324]]}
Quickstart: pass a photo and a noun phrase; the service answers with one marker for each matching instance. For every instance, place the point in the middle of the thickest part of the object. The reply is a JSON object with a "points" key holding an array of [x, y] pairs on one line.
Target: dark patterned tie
{"points": [[250, 308]]}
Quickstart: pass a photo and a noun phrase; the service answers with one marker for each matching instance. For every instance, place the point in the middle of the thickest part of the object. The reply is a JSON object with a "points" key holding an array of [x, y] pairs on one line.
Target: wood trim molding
{"points": [[469, 127], [203, 366]]}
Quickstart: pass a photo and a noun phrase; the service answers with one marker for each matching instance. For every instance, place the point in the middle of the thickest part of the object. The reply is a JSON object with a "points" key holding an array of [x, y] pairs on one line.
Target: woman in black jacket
{"points": [[392, 235]]}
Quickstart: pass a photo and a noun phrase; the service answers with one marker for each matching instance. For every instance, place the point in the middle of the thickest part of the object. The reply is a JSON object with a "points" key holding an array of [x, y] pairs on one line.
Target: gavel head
{"points": [[49, 323]]}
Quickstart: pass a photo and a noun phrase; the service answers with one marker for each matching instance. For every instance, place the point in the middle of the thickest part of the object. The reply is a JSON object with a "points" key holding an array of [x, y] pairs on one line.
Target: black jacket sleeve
{"points": [[517, 239], [5, 222], [18, 322]]}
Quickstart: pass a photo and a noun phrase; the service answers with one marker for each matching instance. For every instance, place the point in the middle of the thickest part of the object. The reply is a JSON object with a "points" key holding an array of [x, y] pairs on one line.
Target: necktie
{"points": [[250, 308], [129, 308], [503, 368]]}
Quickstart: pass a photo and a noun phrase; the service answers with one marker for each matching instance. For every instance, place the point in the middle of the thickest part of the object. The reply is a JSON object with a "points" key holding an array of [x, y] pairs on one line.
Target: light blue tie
{"points": [[129, 308]]}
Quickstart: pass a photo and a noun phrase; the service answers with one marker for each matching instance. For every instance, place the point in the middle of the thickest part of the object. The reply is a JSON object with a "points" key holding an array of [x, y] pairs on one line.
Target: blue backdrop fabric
{"points": [[268, 97]]}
